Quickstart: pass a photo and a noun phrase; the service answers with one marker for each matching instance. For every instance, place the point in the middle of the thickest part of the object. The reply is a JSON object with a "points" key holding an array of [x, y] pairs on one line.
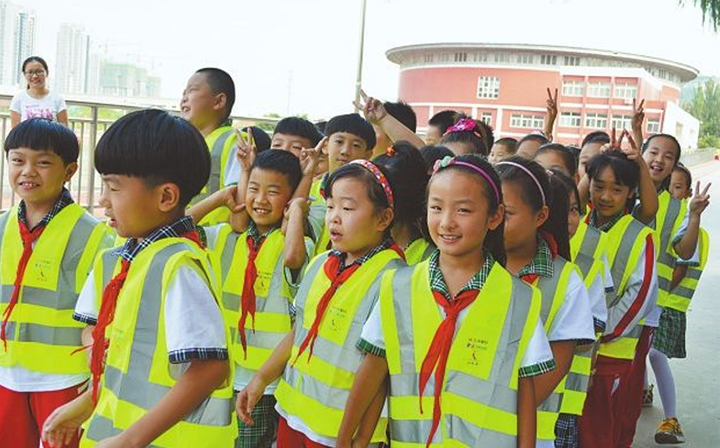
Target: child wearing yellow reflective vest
{"points": [[207, 103], [669, 340], [259, 267], [159, 347], [407, 167], [457, 337], [595, 273], [318, 359], [538, 248], [48, 244], [349, 137], [631, 253]]}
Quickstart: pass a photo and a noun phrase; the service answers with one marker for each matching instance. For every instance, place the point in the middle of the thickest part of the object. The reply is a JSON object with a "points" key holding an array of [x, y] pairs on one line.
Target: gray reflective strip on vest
{"points": [[684, 292], [665, 257], [622, 257], [548, 287], [590, 242], [552, 403], [577, 382], [135, 386], [307, 385], [416, 431], [216, 162], [108, 267], [584, 263], [260, 339], [227, 257], [495, 392], [348, 359], [102, 428], [693, 273], [43, 334], [664, 284]]}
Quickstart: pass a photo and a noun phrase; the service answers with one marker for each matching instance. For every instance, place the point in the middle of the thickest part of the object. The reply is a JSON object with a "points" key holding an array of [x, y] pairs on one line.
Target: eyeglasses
{"points": [[32, 73]]}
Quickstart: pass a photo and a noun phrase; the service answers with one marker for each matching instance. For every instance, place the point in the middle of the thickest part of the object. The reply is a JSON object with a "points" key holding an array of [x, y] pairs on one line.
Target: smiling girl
{"points": [[37, 101]]}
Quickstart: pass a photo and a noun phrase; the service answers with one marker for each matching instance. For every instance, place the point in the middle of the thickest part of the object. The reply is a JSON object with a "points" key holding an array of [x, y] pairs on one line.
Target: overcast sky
{"points": [[300, 56]]}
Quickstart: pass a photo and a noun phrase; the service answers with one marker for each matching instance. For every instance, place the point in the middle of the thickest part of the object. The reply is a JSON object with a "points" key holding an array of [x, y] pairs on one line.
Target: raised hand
{"points": [[700, 200], [309, 158], [373, 109], [246, 150], [638, 115], [552, 105]]}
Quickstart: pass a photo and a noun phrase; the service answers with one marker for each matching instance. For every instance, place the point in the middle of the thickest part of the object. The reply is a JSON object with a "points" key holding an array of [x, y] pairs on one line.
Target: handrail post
{"points": [[93, 142]]}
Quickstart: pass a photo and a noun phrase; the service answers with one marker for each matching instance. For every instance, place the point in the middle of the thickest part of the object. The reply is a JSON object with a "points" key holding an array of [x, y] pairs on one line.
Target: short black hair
{"points": [[625, 170], [261, 138], [320, 125], [403, 113], [565, 153], [282, 162], [221, 82], [42, 134], [596, 137], [432, 154], [352, 124], [680, 168], [443, 120], [299, 127], [575, 151], [157, 147], [534, 137], [510, 143]]}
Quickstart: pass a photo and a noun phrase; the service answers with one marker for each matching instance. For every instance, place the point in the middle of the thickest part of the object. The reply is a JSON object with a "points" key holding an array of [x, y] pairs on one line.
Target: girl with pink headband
{"points": [[318, 360], [459, 318], [538, 251]]}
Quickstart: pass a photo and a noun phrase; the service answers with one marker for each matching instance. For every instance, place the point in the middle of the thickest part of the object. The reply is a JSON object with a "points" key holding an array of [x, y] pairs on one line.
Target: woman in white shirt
{"points": [[37, 100]]}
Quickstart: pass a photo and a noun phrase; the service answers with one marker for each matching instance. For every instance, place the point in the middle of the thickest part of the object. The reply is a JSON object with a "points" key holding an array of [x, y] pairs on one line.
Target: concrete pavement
{"points": [[697, 377]]}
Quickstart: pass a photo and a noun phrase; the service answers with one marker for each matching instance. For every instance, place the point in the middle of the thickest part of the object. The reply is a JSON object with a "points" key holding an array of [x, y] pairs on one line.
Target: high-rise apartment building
{"points": [[72, 66], [17, 40]]}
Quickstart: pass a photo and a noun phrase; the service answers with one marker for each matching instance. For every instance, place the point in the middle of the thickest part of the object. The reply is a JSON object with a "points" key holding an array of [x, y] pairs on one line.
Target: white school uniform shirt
{"points": [[596, 295], [193, 321], [28, 107], [574, 318]]}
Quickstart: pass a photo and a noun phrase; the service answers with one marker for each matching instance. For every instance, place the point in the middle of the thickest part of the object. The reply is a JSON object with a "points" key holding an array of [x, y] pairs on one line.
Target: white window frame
{"points": [[621, 122], [596, 121], [573, 88], [599, 90], [570, 119], [653, 126], [488, 87], [527, 121], [625, 91], [486, 117]]}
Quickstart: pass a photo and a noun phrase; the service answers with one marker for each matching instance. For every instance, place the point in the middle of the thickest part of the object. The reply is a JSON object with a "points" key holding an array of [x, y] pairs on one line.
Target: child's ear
{"points": [[169, 197], [496, 218], [542, 216], [220, 101], [70, 170], [386, 219]]}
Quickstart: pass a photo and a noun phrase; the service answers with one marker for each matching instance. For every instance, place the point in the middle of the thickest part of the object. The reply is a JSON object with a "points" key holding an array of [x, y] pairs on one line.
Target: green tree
{"points": [[710, 10], [706, 108]]}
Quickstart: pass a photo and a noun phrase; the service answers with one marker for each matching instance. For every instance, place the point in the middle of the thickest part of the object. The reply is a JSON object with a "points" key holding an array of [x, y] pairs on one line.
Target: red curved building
{"points": [[505, 85]]}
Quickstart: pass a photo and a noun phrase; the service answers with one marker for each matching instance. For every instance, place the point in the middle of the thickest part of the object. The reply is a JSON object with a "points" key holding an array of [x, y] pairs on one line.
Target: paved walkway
{"points": [[698, 376]]}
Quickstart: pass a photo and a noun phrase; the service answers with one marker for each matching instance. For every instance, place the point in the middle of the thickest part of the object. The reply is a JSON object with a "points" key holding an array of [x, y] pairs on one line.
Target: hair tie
{"points": [[390, 151], [463, 125], [449, 161], [529, 173], [380, 177]]}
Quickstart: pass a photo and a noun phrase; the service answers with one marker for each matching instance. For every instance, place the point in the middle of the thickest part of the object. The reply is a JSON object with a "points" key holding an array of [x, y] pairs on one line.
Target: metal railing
{"points": [[89, 120]]}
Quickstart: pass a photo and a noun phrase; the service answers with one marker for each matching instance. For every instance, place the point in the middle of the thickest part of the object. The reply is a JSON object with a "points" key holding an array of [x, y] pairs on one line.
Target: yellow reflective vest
{"points": [[669, 218], [626, 241], [479, 394], [41, 332], [137, 373], [419, 250], [222, 146], [680, 297], [316, 389]]}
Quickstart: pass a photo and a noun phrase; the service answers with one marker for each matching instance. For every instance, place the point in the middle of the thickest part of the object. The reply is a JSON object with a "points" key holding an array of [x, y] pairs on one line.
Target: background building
{"points": [[71, 74], [505, 85], [17, 41]]}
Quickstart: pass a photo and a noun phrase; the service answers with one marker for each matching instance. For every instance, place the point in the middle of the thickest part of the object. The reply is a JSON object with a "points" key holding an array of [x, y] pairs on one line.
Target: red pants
{"points": [[598, 423], [289, 438], [629, 394], [22, 415]]}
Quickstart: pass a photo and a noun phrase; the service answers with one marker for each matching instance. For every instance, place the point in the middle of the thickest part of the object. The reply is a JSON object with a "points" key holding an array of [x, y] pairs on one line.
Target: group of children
{"points": [[345, 286]]}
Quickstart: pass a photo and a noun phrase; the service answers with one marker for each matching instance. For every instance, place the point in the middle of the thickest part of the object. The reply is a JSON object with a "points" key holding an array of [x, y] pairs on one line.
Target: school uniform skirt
{"points": [[670, 334]]}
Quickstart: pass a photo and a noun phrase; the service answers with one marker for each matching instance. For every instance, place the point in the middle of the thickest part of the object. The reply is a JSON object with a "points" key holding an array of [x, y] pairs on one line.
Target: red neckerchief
{"points": [[248, 293], [439, 351], [28, 238]]}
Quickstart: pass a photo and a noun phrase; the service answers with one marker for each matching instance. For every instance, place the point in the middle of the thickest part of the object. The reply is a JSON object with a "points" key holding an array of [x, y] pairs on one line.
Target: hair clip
{"points": [[463, 125], [390, 151]]}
